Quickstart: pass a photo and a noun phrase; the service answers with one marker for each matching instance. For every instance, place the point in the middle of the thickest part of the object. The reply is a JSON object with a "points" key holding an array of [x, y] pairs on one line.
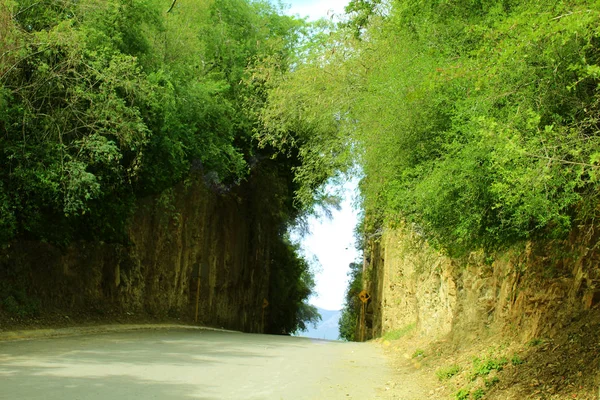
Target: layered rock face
{"points": [[527, 292], [224, 237]]}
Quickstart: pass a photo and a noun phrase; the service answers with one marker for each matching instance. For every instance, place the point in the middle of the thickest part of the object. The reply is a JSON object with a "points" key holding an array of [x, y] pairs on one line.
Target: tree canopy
{"points": [[476, 122], [103, 101], [106, 101]]}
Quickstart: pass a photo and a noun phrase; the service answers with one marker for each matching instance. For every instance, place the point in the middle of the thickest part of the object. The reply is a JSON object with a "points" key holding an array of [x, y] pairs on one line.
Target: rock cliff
{"points": [[529, 291], [222, 236]]}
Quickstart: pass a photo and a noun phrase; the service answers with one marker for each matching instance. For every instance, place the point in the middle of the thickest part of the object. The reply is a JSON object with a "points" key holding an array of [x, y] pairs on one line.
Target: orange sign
{"points": [[364, 296]]}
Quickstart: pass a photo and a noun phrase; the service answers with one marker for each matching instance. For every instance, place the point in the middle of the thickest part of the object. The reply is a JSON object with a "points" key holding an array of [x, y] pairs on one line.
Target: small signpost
{"points": [[364, 298]]}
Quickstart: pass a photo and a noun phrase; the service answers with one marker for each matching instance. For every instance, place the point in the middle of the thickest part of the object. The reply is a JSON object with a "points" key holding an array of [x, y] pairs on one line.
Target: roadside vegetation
{"points": [[499, 368], [105, 102], [348, 322], [400, 333], [474, 122]]}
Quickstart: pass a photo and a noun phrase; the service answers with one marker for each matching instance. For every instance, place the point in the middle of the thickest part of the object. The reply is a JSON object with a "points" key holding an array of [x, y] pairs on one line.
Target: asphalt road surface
{"points": [[190, 364]]}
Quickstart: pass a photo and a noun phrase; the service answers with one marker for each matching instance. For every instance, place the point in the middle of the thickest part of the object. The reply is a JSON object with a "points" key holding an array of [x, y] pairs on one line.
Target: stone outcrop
{"points": [[225, 237], [526, 292]]}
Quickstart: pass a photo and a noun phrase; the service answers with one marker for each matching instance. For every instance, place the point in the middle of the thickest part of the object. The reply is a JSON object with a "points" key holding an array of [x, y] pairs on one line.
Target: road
{"points": [[190, 364]]}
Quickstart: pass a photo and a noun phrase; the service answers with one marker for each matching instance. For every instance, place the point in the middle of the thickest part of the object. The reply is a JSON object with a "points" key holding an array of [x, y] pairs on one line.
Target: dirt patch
{"points": [[566, 366], [413, 378]]}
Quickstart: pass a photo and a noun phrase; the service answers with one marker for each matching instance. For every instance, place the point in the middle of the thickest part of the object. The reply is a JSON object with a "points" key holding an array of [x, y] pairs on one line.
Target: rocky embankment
{"points": [[523, 323]]}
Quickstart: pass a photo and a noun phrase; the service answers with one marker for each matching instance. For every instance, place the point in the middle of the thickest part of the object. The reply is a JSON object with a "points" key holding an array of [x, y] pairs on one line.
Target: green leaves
{"points": [[80, 186], [291, 285], [513, 154], [8, 222], [476, 121], [352, 304], [102, 98]]}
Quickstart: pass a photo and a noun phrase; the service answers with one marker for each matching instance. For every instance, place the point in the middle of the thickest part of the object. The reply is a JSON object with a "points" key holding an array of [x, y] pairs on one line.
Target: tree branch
{"points": [[561, 161], [172, 5]]}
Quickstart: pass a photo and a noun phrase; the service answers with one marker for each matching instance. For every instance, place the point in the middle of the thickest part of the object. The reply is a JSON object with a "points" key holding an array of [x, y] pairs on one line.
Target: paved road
{"points": [[189, 364]]}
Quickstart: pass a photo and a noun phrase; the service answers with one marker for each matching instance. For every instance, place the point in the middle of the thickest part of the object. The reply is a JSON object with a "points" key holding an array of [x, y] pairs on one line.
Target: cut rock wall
{"points": [[227, 236], [525, 292]]}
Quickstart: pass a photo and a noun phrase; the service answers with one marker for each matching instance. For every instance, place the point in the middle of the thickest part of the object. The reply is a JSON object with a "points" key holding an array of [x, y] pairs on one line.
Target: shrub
{"points": [[447, 372]]}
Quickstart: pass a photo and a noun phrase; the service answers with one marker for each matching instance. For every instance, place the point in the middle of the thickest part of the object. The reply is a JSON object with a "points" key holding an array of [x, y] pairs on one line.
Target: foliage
{"points": [[103, 102], [484, 367], [20, 305], [15, 301], [348, 322], [419, 353], [447, 372], [291, 284], [462, 394], [516, 360], [491, 382], [359, 13], [98, 110], [535, 342], [475, 122], [399, 333], [299, 117], [478, 394]]}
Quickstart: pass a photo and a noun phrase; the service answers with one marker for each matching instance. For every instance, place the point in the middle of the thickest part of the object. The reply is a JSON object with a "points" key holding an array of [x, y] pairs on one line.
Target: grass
{"points": [[464, 394], [447, 372], [491, 382], [516, 360], [419, 353], [484, 367], [535, 342], [17, 302], [398, 333]]}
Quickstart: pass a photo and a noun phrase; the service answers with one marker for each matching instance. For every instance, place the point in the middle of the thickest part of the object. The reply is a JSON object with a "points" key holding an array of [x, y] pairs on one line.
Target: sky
{"points": [[315, 9], [331, 241]]}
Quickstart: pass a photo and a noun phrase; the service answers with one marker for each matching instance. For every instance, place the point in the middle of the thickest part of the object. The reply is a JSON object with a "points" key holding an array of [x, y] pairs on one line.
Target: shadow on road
{"points": [[162, 365], [179, 364]]}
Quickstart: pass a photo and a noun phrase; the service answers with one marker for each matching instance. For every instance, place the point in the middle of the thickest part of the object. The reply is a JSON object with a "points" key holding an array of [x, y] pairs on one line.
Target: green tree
{"points": [[348, 322], [98, 110], [476, 122], [291, 285], [104, 102]]}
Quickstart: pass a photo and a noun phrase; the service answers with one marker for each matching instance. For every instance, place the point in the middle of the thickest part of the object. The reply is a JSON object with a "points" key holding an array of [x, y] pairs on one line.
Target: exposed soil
{"points": [[566, 366]]}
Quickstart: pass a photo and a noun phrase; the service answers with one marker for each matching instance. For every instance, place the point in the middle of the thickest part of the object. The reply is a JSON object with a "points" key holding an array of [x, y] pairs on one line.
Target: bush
{"points": [[516, 360], [418, 353], [20, 305], [483, 368], [478, 394], [447, 372]]}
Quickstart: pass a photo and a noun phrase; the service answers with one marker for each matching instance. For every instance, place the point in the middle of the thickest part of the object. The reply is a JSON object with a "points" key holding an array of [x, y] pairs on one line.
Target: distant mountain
{"points": [[328, 327]]}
